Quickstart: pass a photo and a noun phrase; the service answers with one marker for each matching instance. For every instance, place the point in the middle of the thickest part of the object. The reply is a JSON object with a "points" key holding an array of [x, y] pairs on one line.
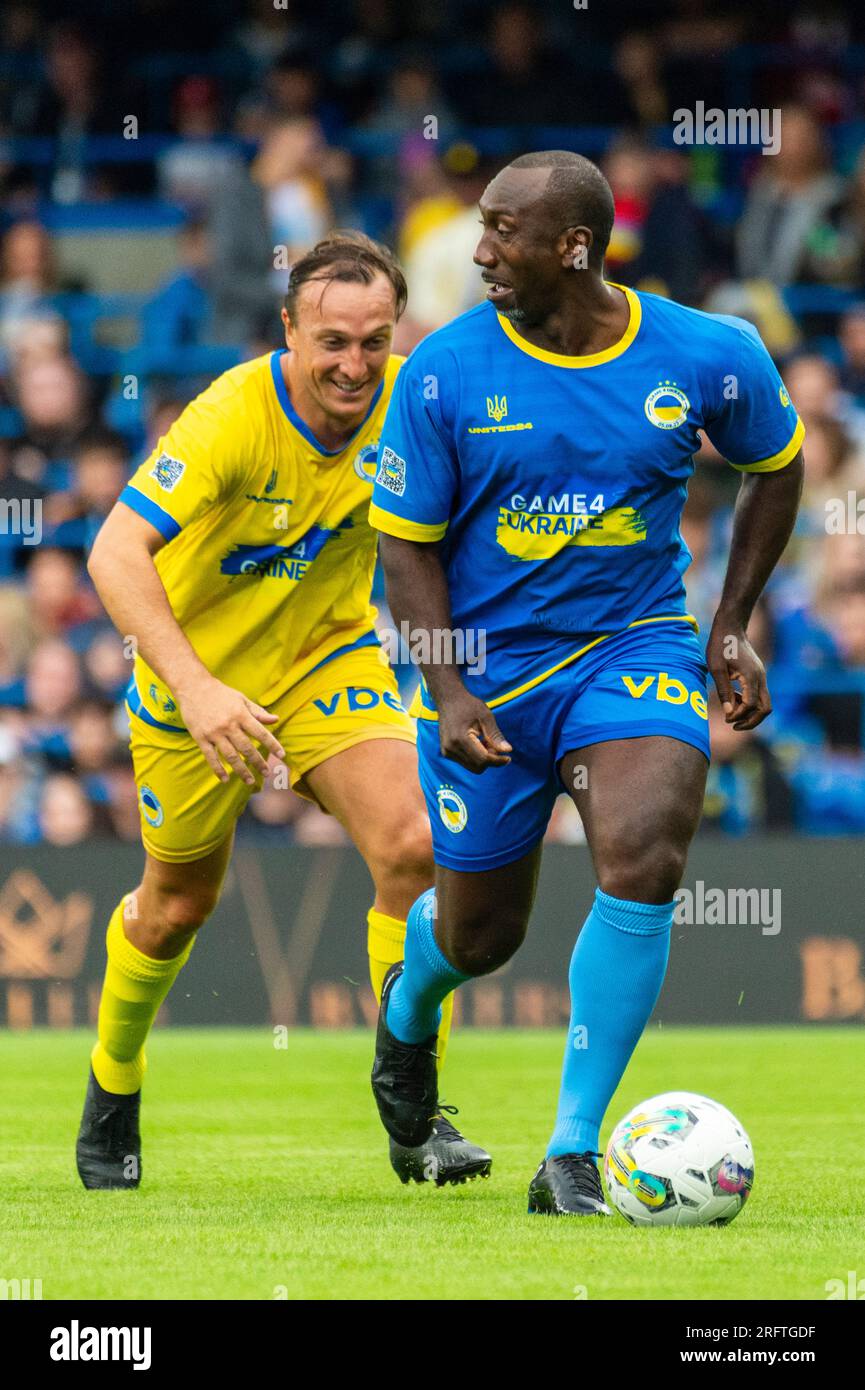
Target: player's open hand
{"points": [[731, 658], [227, 726], [469, 734]]}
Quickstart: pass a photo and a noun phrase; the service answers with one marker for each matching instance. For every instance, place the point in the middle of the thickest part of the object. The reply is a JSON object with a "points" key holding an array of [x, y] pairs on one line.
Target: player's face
{"points": [[520, 251], [341, 340]]}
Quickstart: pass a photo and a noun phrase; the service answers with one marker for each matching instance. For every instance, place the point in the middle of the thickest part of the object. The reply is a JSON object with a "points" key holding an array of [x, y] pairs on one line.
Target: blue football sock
{"points": [[413, 1012], [617, 969]]}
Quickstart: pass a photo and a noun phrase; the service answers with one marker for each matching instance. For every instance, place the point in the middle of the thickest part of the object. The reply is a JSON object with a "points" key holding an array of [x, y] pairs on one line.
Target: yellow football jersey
{"points": [[269, 558]]}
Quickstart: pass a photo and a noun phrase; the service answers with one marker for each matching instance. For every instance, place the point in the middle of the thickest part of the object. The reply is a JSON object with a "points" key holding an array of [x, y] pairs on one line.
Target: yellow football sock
{"points": [[134, 987], [385, 945]]}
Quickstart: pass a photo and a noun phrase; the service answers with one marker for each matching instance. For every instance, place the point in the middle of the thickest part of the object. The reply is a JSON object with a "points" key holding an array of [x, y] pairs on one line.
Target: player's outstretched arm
{"points": [[417, 593], [763, 522], [222, 721]]}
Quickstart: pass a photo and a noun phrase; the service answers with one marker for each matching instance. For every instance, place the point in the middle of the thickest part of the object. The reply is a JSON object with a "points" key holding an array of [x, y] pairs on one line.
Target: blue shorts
{"points": [[645, 680]]}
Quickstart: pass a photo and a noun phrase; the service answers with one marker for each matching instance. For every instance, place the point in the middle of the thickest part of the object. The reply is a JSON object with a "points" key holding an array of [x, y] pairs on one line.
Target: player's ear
{"points": [[577, 242], [287, 326]]}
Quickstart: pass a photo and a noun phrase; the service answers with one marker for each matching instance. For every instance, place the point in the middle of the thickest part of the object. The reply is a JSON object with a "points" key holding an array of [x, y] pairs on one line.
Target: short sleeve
{"points": [[417, 471], [196, 464], [754, 425]]}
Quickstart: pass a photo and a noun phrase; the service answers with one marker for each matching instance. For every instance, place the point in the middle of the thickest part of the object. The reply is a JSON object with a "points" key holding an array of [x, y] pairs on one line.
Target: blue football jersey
{"points": [[557, 483]]}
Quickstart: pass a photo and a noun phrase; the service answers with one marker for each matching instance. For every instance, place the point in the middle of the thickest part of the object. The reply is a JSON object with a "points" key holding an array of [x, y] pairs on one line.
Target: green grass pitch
{"points": [[266, 1173]]}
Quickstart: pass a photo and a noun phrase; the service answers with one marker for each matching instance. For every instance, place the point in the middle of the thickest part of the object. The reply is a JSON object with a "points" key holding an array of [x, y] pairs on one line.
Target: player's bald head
{"points": [[569, 190]]}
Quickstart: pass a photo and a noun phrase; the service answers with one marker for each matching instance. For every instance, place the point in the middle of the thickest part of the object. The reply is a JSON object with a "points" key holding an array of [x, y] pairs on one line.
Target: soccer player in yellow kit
{"points": [[240, 560]]}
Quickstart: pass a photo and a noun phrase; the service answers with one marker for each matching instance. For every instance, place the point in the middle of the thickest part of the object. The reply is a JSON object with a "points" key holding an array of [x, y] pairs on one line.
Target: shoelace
{"points": [[582, 1173], [445, 1131]]}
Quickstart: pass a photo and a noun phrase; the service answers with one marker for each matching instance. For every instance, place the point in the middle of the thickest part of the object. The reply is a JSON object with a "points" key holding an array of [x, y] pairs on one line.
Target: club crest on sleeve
{"points": [[391, 472], [167, 472]]}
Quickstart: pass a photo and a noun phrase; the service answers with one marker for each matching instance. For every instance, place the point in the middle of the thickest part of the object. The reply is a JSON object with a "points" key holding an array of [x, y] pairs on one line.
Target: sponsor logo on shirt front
{"points": [[281, 561], [501, 429], [497, 409], [536, 528]]}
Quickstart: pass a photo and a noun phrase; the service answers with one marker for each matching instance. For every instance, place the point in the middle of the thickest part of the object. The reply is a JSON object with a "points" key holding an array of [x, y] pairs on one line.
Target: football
{"points": [[679, 1159]]}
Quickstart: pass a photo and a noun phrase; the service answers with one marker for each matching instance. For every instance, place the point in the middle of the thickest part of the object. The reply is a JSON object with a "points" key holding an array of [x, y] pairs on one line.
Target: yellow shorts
{"points": [[186, 812]]}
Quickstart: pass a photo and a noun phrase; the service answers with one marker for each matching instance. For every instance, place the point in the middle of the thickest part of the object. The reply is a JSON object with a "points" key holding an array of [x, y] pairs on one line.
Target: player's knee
{"points": [[484, 943], [403, 862], [175, 915], [647, 874]]}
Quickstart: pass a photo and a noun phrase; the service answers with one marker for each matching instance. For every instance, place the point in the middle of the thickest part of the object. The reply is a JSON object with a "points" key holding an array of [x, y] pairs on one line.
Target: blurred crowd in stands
{"points": [[254, 133]]}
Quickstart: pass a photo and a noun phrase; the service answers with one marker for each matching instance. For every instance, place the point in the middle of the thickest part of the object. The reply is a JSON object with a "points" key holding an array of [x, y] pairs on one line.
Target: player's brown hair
{"points": [[347, 256]]}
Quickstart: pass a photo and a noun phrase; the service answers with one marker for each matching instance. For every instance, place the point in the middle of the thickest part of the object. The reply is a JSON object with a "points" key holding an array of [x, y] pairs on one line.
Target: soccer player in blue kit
{"points": [[534, 463]]}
